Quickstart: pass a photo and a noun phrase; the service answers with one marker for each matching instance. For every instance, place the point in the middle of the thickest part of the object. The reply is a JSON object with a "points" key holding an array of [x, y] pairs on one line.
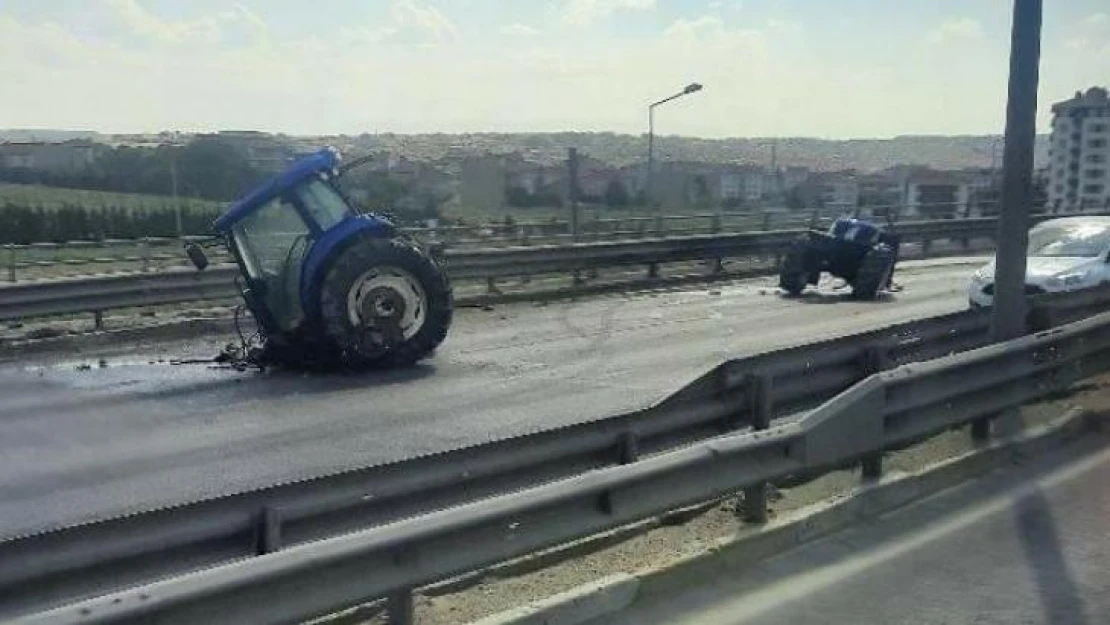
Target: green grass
{"points": [[56, 197]]}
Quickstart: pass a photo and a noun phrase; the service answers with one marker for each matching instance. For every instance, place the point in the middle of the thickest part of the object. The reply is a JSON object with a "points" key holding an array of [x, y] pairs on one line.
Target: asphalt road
{"points": [[1020, 546], [79, 443]]}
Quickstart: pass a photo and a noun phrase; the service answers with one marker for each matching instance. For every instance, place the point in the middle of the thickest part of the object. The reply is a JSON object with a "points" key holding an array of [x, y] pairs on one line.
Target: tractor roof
{"points": [[325, 160]]}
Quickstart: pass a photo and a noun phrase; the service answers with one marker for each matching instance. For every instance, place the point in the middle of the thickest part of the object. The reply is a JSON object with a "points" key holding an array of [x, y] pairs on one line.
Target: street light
{"points": [[687, 90]]}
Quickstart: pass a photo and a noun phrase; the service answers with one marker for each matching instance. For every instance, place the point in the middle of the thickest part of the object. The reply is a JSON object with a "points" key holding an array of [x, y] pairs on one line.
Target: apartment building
{"points": [[1079, 155]]}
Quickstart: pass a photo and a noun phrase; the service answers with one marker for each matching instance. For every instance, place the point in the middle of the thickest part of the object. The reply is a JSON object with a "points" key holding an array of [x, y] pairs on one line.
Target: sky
{"points": [[820, 68]]}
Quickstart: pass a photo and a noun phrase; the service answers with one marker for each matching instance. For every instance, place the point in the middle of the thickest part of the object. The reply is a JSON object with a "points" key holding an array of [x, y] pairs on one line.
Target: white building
{"points": [[1079, 155]]}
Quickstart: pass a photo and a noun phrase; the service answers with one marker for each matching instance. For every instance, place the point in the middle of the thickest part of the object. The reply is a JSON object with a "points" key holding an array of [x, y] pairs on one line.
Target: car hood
{"points": [[1040, 268]]}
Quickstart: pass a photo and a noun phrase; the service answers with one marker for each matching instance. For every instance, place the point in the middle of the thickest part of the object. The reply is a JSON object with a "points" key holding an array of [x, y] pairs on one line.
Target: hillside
{"points": [[941, 152]]}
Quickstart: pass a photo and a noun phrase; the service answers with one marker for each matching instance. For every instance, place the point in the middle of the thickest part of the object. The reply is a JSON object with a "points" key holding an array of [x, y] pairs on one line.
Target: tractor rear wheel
{"points": [[792, 273], [385, 302], [874, 272]]}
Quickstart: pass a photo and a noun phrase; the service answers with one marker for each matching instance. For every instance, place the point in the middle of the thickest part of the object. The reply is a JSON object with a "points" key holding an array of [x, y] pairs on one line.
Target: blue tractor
{"points": [[327, 285], [857, 251]]}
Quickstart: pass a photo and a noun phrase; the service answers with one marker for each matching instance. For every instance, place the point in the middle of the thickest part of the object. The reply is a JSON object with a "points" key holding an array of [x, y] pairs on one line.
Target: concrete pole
{"points": [[1008, 315], [648, 188], [176, 201], [1008, 320]]}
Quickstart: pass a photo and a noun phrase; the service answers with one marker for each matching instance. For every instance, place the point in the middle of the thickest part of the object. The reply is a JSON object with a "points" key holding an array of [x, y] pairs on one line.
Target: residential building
{"points": [[880, 194], [832, 190], [745, 184], [935, 195], [65, 157], [1079, 153]]}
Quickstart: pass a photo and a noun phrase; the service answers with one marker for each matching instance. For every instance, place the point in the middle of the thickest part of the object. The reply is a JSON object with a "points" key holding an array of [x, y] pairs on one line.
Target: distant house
{"points": [[65, 157], [832, 190], [743, 183], [942, 194]]}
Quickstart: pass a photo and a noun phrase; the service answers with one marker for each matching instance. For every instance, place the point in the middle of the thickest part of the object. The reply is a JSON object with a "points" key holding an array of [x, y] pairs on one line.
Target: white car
{"points": [[1065, 254]]}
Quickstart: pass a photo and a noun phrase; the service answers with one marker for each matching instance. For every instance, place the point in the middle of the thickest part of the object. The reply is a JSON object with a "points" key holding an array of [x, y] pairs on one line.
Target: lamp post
{"points": [[648, 188]]}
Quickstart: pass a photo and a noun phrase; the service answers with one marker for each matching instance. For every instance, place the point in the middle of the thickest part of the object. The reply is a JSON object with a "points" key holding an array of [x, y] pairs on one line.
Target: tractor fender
{"points": [[328, 246]]}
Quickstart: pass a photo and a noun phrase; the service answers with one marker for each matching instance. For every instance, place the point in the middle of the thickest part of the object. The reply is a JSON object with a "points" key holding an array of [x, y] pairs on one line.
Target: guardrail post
{"points": [[759, 388], [144, 253], [269, 531], [400, 608], [628, 448], [653, 270], [981, 430], [11, 262], [491, 286], [766, 220], [715, 224], [876, 358], [658, 225], [98, 319]]}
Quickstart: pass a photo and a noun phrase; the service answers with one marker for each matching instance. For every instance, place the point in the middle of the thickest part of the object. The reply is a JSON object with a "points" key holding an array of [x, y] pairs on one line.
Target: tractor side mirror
{"points": [[196, 256]]}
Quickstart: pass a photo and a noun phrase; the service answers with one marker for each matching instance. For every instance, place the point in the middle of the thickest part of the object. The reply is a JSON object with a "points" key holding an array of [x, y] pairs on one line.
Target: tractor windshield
{"points": [[272, 242], [322, 202]]}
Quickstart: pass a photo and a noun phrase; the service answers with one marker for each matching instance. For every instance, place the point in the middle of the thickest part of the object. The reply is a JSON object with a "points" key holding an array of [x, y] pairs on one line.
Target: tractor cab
{"points": [[288, 235], [271, 232]]}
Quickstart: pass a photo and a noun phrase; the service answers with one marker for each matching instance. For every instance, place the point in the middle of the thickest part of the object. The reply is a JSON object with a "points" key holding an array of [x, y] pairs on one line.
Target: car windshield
{"points": [[1082, 240]]}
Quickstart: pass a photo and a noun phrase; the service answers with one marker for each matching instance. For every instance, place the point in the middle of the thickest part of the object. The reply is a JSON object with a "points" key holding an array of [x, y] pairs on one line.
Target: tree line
{"points": [[206, 167], [27, 224]]}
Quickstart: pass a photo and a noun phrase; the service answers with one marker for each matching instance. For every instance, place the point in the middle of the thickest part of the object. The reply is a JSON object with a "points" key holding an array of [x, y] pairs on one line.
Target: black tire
{"points": [[353, 343], [874, 272], [792, 273]]}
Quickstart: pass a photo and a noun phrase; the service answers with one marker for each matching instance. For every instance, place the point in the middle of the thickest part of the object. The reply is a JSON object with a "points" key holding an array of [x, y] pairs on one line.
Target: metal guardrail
{"points": [[47, 569], [153, 253], [106, 292], [886, 410]]}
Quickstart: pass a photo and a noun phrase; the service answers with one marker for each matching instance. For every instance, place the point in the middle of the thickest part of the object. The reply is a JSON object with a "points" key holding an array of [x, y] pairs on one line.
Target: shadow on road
{"points": [[836, 297], [1040, 540]]}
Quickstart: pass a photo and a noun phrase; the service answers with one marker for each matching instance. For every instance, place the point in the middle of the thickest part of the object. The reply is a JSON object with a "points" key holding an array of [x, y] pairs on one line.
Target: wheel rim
{"points": [[389, 303]]}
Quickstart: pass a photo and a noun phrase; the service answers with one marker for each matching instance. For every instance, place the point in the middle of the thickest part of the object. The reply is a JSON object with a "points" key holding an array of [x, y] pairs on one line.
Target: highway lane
{"points": [[1025, 545], [79, 443]]}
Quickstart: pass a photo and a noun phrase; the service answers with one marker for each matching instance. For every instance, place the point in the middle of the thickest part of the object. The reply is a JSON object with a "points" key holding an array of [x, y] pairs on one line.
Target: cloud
{"points": [[757, 83], [518, 30], [425, 18], [710, 30], [588, 12], [960, 28], [1091, 37], [207, 29], [1097, 19]]}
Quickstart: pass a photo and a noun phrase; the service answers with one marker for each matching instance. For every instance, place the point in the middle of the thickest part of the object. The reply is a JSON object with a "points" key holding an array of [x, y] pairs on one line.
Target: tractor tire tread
{"points": [[873, 272], [793, 276], [367, 251]]}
